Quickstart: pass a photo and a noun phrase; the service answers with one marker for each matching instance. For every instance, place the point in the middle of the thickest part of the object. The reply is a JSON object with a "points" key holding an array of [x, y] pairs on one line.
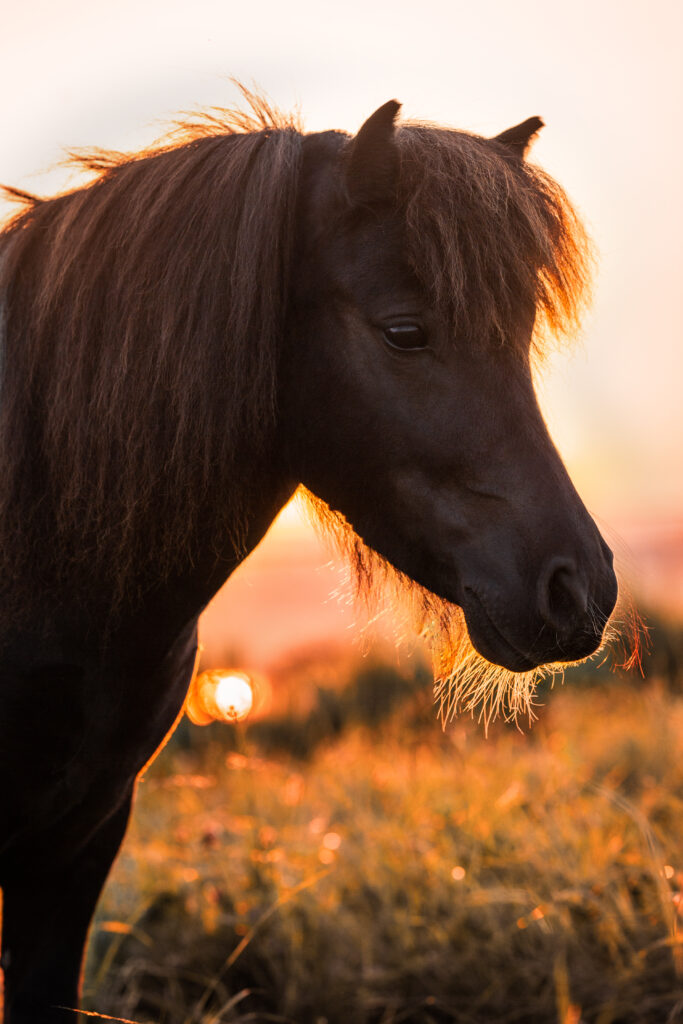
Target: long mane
{"points": [[143, 316]]}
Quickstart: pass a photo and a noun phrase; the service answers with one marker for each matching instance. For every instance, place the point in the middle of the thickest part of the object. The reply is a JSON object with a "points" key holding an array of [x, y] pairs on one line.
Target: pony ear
{"points": [[519, 138], [372, 164]]}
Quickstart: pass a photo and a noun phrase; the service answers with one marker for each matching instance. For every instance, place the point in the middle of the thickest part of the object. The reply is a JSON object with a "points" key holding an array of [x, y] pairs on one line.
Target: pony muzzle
{"points": [[566, 618]]}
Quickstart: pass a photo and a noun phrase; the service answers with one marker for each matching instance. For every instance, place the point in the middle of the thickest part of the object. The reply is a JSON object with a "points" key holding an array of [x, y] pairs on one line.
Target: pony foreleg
{"points": [[46, 915]]}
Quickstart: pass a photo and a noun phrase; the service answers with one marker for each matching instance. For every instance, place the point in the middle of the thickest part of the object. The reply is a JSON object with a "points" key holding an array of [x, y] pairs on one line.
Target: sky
{"points": [[606, 76]]}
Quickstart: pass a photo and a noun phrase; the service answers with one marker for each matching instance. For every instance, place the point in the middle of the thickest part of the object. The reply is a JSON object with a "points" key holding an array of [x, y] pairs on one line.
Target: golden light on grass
{"points": [[481, 812], [116, 927], [220, 695]]}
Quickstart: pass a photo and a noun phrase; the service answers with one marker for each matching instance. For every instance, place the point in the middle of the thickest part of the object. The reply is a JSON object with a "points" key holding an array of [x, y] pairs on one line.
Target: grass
{"points": [[393, 873]]}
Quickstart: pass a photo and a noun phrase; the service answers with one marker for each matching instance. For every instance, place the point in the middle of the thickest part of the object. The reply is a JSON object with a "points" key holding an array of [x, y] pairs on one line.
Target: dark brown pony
{"points": [[184, 341]]}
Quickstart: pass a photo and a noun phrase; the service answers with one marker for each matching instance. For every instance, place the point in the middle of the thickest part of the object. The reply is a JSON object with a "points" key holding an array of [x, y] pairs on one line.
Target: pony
{"points": [[204, 327]]}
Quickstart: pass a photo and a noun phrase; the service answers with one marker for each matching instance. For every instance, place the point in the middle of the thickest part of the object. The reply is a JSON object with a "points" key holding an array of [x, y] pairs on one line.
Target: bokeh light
{"points": [[234, 697], [220, 695]]}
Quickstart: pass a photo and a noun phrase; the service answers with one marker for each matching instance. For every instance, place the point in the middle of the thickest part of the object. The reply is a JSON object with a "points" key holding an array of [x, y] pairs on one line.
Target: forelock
{"points": [[490, 236]]}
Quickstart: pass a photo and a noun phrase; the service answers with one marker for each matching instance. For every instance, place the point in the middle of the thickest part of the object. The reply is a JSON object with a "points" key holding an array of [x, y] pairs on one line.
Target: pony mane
{"points": [[143, 316]]}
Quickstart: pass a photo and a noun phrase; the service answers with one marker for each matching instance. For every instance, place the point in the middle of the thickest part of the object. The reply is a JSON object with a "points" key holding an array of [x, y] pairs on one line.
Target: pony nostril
{"points": [[562, 594]]}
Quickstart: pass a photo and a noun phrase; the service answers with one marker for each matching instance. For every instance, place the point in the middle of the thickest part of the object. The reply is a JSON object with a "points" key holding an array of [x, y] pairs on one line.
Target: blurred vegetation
{"points": [[368, 698], [661, 657], [357, 865]]}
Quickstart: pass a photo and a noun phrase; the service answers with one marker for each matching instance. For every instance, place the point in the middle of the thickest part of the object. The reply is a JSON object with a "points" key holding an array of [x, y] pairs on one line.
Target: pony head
{"points": [[432, 267]]}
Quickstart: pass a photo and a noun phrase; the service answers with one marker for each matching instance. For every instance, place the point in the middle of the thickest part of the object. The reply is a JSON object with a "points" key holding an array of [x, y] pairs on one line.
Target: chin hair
{"points": [[464, 681]]}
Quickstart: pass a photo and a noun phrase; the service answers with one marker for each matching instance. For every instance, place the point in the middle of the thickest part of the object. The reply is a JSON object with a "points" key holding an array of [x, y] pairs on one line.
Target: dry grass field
{"points": [[366, 868]]}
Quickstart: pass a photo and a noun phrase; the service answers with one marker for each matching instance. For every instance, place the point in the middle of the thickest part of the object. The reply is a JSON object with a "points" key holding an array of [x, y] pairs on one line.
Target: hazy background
{"points": [[607, 78]]}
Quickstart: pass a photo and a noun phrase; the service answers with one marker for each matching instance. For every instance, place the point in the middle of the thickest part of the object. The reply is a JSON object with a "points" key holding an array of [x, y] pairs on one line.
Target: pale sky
{"points": [[606, 76]]}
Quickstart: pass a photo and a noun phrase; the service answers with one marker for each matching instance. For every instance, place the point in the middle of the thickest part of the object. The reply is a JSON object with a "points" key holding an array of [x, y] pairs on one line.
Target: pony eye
{"points": [[406, 337]]}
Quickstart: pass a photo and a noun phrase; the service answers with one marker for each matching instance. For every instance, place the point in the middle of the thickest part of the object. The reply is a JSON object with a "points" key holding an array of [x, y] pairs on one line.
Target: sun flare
{"points": [[234, 697], [220, 695]]}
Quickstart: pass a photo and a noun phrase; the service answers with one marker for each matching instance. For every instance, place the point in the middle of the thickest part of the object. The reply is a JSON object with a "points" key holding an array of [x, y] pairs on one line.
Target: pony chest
{"points": [[68, 730]]}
